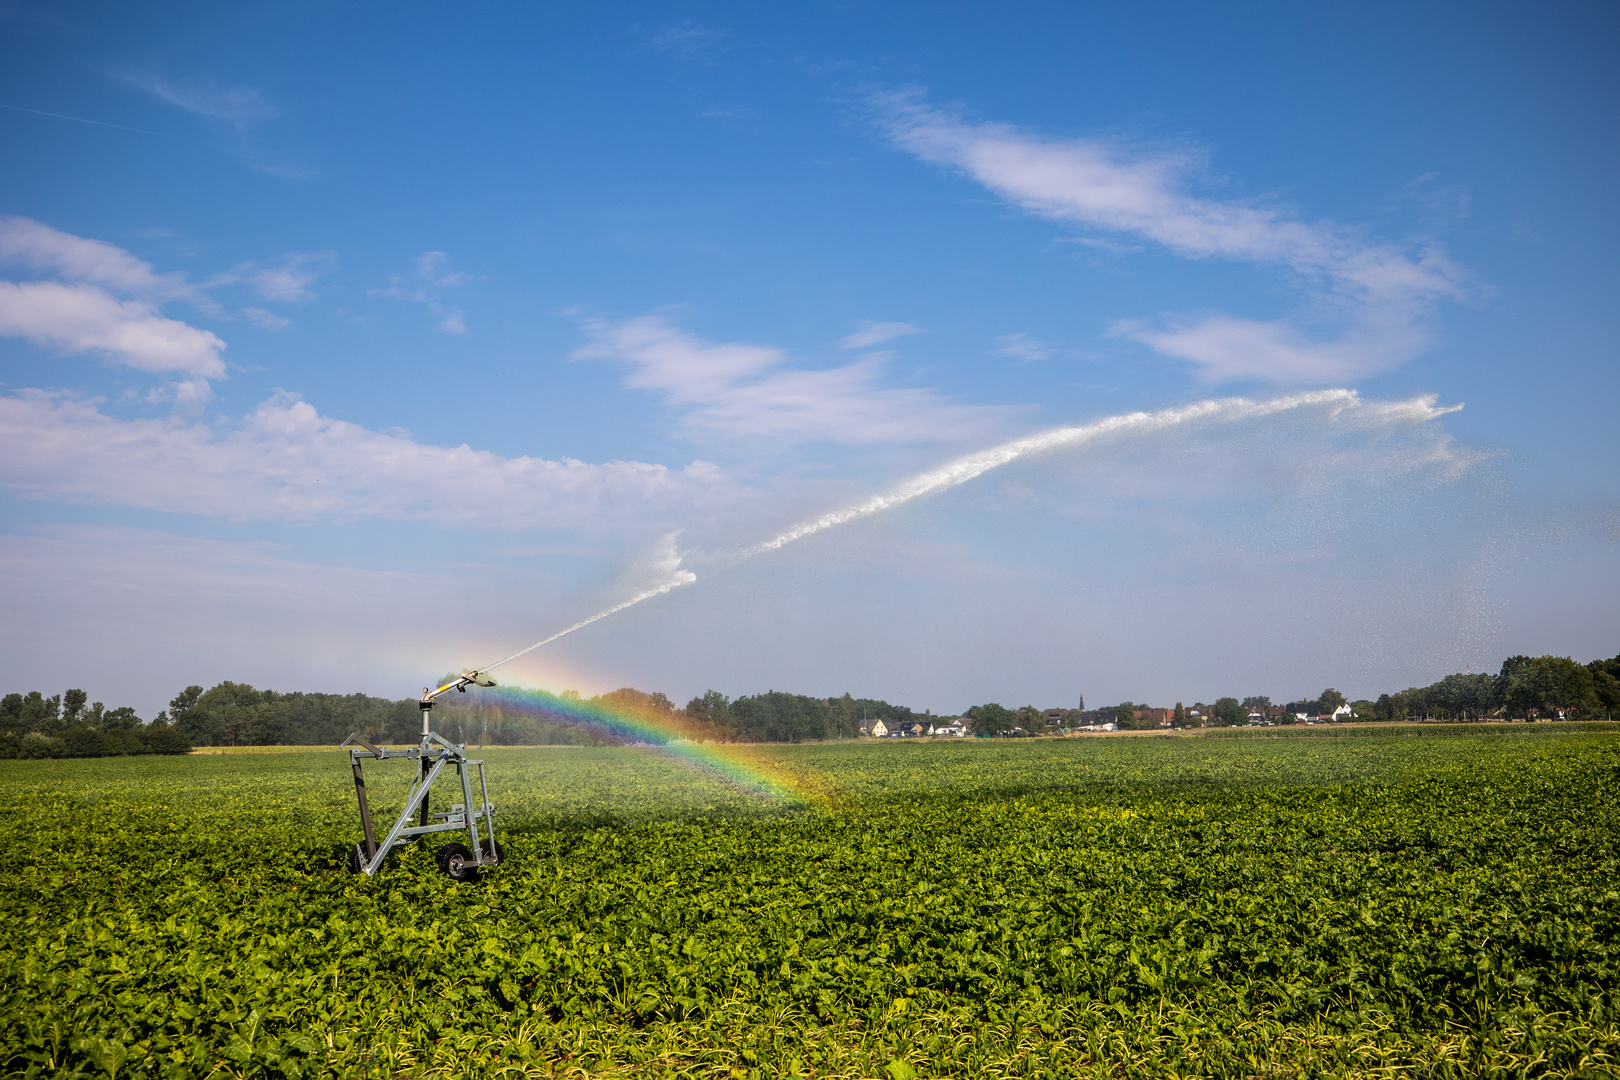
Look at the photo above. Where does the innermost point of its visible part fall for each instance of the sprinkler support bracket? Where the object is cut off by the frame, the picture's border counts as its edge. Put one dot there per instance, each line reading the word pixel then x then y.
pixel 433 753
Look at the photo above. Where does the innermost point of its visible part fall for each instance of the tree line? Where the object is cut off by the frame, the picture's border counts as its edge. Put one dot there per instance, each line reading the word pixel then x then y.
pixel 772 716
pixel 236 714
pixel 1524 688
pixel 70 725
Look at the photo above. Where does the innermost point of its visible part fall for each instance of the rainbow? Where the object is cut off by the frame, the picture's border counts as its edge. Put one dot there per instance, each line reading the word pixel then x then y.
pixel 753 767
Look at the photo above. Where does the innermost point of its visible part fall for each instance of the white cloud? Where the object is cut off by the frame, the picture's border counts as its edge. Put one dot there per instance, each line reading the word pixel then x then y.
pixel 77 315
pixel 686 40
pixel 238 108
pixel 290 278
pixel 287 462
pixel 875 333
pixel 237 104
pixel 427 286
pixel 1381 289
pixel 737 390
pixel 37 246
pixel 266 320
pixel 1227 348
pixel 286 280
pixel 83 318
pixel 1021 346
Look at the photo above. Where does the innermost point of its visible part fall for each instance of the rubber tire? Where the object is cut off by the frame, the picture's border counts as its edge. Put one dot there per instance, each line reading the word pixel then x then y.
pixel 357 858
pixel 498 852
pixel 456 860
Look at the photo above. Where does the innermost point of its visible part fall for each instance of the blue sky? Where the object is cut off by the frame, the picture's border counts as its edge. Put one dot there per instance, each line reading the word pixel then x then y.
pixel 338 351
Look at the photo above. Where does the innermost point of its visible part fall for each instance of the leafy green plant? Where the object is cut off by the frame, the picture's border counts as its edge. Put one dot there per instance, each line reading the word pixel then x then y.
pixel 1132 906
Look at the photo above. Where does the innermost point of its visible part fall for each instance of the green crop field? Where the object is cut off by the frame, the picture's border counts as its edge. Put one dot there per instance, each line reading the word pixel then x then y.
pixel 1437 906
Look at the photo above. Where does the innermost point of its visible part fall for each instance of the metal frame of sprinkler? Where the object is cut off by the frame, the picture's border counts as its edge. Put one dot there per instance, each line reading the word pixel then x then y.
pixel 434 752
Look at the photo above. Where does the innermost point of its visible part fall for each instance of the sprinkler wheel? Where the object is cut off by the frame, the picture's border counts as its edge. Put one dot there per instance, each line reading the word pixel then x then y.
pixel 457 861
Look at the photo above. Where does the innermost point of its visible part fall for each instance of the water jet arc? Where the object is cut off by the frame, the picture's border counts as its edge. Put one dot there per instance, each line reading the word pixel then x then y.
pixel 970 467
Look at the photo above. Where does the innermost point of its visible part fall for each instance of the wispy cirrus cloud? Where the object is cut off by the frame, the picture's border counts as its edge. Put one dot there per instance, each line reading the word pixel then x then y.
pixel 287 279
pixel 1381 291
pixel 685 40
pixel 239 109
pixel 1022 347
pixel 876 333
pixel 736 390
pixel 287 462
pixel 290 278
pixel 237 104
pixel 428 285
pixel 1228 348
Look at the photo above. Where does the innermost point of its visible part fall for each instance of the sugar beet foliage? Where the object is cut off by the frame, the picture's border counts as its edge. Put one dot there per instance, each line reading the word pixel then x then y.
pixel 1133 906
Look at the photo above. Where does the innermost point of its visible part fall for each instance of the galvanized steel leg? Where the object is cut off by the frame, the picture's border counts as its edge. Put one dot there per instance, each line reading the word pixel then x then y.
pixel 489 811
pixel 423 820
pixel 365 807
pixel 410 807
pixel 467 807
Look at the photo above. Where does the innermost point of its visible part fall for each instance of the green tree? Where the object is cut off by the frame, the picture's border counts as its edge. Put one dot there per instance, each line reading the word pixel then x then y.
pixel 1030 719
pixel 847 716
pixel 1179 717
pixel 710 716
pixel 1606 682
pixel 183 703
pixel 991 719
pixel 82 742
pixel 776 716
pixel 1544 685
pixel 1461 696
pixel 1229 712
pixel 222 715
pixel 72 705
pixel 122 718
pixel 1125 716
pixel 40 713
pixel 1330 701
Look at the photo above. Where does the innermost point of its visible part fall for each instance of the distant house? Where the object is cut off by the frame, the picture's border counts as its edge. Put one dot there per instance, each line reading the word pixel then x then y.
pixel 878 729
pixel 1055 716
pixel 1343 712
pixel 955 727
pixel 909 729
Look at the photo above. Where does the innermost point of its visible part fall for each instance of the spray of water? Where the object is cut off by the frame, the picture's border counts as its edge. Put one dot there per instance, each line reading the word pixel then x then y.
pixel 684 577
pixel 963 469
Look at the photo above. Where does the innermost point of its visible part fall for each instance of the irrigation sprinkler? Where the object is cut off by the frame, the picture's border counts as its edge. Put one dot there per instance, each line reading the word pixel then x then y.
pixel 460 861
